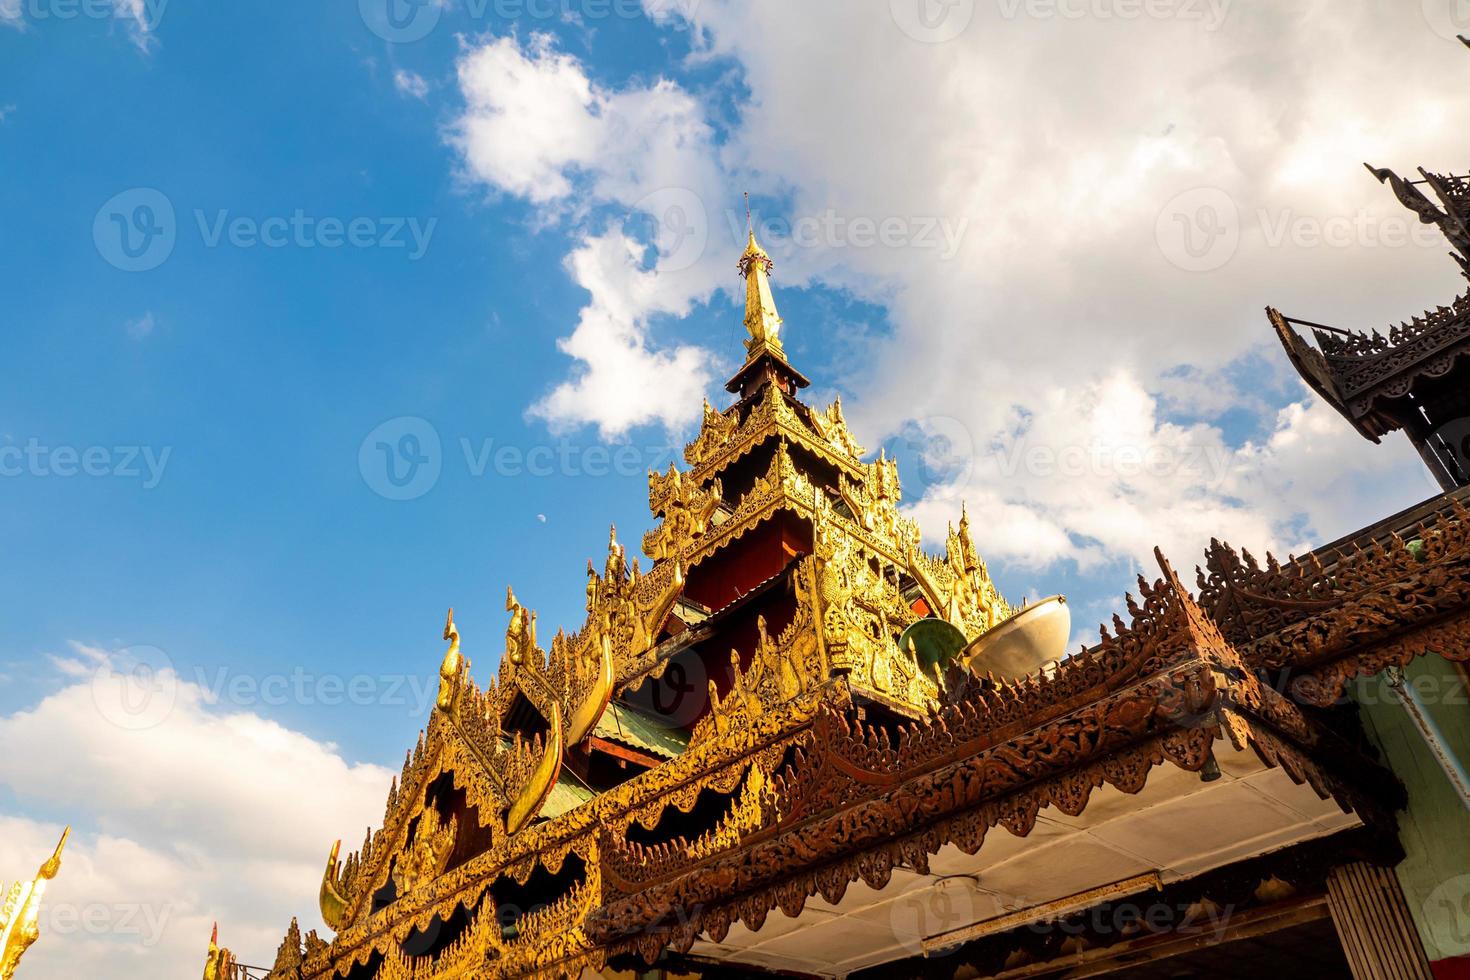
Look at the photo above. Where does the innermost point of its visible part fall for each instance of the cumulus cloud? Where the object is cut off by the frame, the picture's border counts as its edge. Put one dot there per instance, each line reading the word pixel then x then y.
pixel 536 127
pixel 179 808
pixel 1072 243
pixel 622 382
pixel 1123 221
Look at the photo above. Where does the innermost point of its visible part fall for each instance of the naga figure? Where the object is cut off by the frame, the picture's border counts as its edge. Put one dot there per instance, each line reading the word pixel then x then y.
pixel 520 635
pixel 20 917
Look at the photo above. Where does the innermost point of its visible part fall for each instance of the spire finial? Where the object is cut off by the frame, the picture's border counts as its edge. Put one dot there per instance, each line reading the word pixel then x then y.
pixel 749 225
pixel 762 321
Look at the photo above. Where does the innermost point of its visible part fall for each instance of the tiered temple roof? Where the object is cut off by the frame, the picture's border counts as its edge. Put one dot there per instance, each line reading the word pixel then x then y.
pixel 1401 381
pixel 742 730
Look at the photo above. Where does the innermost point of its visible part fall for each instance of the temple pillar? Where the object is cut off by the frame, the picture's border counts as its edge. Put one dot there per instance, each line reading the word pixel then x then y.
pixel 1373 923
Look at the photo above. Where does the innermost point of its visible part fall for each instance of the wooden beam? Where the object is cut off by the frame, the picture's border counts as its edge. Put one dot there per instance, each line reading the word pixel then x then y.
pixel 622 752
pixel 1161 946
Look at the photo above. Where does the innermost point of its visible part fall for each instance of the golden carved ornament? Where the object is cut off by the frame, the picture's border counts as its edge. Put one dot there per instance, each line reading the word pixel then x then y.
pixel 427 854
pixel 20 916
pixel 687 509
pixel 219 963
pixel 832 426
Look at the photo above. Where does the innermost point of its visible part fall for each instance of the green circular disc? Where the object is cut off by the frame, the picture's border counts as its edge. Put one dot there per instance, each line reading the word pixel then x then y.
pixel 935 642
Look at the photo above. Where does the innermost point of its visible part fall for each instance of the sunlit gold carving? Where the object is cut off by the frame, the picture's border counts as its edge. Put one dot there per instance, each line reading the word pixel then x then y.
pixel 451 671
pixel 538 785
pixel 219 963
pixel 831 425
pixel 427 854
pixel 687 509
pixel 20 917
pixel 330 898
pixel 762 322
pixel 520 635
pixel 591 707
pixel 958 587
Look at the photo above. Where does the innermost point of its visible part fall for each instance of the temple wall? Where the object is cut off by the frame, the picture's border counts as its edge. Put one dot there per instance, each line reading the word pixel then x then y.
pixel 1435 830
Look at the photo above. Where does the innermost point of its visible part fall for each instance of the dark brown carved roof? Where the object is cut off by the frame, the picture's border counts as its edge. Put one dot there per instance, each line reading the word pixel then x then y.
pixel 1363 374
pixel 1357 373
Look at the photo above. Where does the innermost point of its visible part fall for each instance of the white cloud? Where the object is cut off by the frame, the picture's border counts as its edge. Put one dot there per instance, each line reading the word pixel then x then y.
pixel 530 116
pixel 620 381
pixel 178 823
pixel 1061 311
pixel 1064 320
pixel 536 127
pixel 140 328
pixel 410 84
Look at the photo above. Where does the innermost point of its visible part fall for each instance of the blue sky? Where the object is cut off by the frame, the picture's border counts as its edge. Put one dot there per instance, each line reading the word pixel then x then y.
pixel 511 181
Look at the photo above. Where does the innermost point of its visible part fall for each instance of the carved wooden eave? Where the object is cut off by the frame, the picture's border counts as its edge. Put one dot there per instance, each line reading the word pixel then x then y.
pixel 1363 375
pixel 854 803
pixel 820 800
pixel 821 753
pixel 1326 618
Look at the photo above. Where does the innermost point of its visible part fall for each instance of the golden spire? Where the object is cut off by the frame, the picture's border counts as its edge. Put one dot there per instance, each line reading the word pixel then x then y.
pixel 762 321
pixel 21 912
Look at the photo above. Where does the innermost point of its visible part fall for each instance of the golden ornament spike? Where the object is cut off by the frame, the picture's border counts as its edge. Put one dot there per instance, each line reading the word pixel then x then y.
pixel 762 321
pixel 538 787
pixel 333 903
pixel 20 918
pixel 451 671
pixel 590 710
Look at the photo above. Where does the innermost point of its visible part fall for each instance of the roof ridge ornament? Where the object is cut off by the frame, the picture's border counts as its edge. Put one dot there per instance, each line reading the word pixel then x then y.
pixel 762 321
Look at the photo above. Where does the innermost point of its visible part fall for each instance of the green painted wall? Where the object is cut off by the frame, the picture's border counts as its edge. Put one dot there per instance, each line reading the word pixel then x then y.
pixel 1435 829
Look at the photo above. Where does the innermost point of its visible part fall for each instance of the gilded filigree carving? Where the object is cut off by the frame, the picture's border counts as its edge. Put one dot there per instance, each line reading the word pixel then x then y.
pixel 958 587
pixel 687 509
